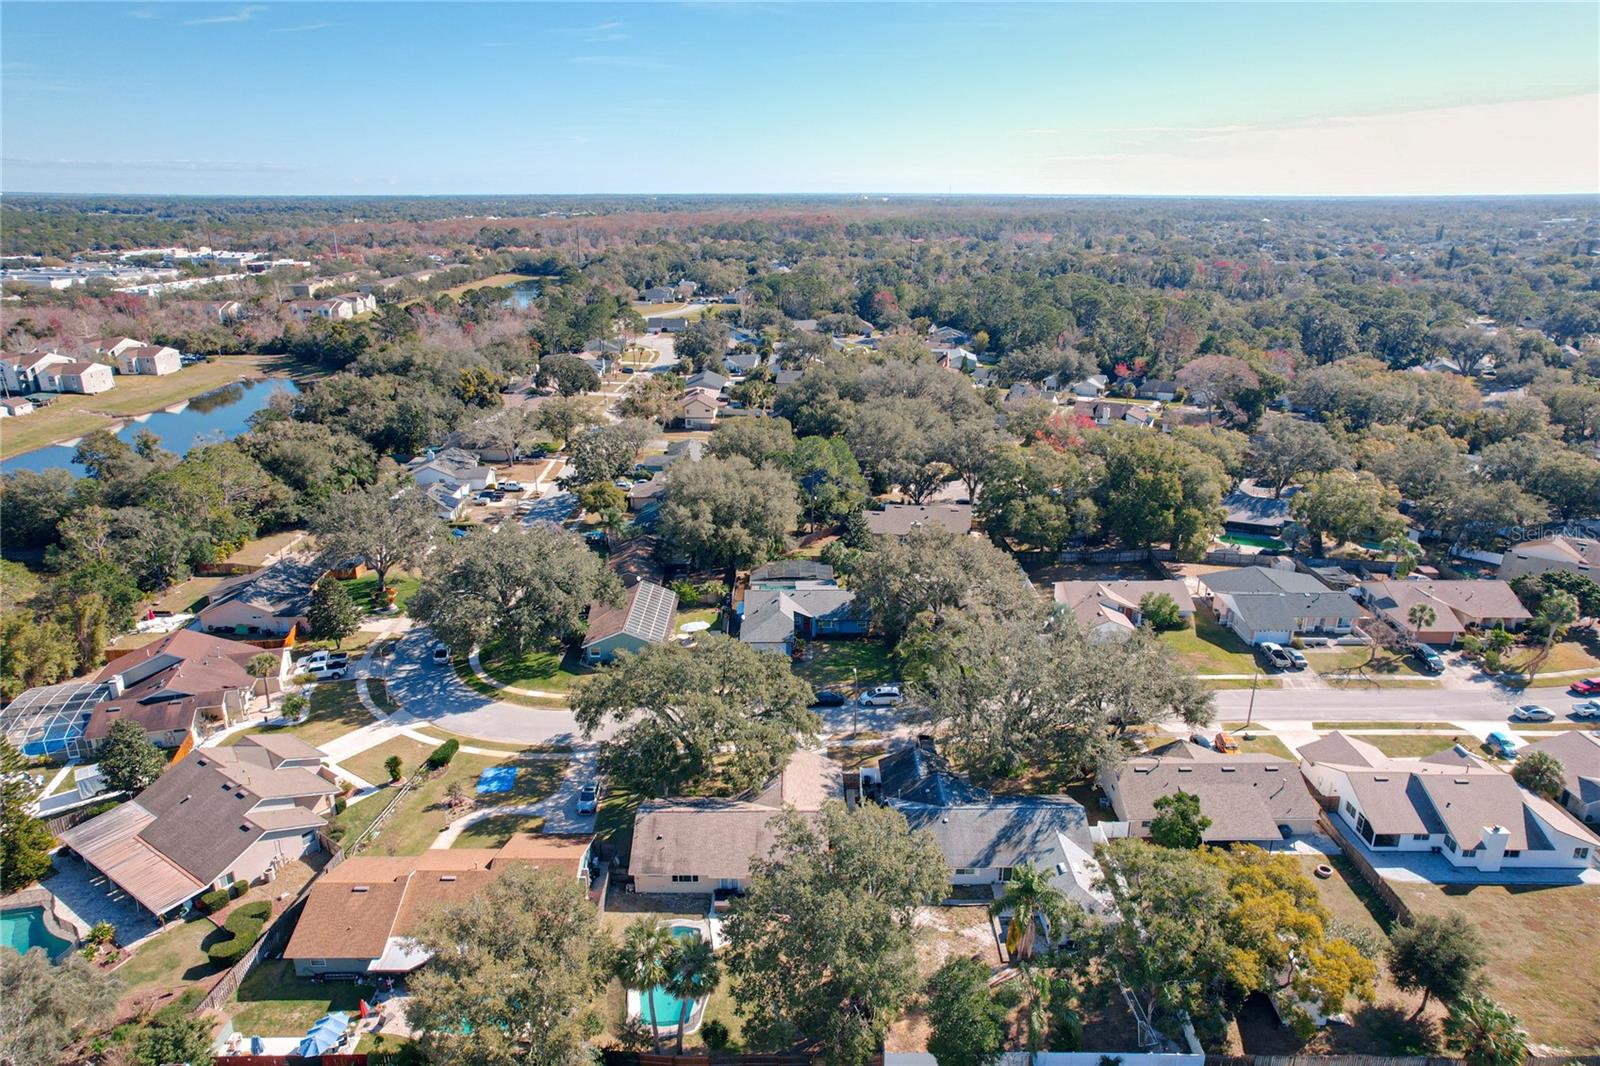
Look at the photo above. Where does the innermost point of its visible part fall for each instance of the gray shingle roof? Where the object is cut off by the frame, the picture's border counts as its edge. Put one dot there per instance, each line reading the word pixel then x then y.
pixel 646 612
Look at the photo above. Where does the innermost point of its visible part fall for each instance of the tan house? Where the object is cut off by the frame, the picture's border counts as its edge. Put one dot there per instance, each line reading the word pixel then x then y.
pixel 1577 555
pixel 698 408
pixel 219 816
pixel 150 359
pixel 1457 607
pixel 705 845
pixel 1111 609
pixel 187 684
pixel 1250 799
pixel 361 915
pixel 272 602
pixel 77 376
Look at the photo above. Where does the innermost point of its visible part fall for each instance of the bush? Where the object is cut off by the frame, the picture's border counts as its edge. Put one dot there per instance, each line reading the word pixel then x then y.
pixel 1161 611
pixel 443 754
pixel 239 888
pixel 246 925
pixel 393 764
pixel 715 1035
pixel 338 805
pixel 215 900
pixel 102 933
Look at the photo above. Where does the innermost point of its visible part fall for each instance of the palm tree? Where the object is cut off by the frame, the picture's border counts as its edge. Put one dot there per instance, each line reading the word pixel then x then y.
pixel 262 667
pixel 642 964
pixel 1485 1033
pixel 1030 897
pixel 1421 617
pixel 1406 553
pixel 692 974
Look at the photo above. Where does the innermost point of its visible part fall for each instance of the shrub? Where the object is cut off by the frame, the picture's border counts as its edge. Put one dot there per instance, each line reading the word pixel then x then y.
pixel 715 1035
pixel 245 925
pixel 443 754
pixel 338 805
pixel 260 910
pixel 102 933
pixel 239 888
pixel 392 764
pixel 1161 611
pixel 215 900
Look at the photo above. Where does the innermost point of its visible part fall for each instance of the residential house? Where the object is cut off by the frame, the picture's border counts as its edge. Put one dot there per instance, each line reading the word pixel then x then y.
pixel 1026 392
pixel 1109 412
pixel 225 311
pixel 1111 609
pixel 1157 389
pixel 707 379
pixel 1264 604
pixel 185 685
pixel 334 309
pixel 1578 752
pixel 20 371
pixel 361 916
pixel 151 359
pixel 220 815
pixel 314 286
pixel 704 846
pixel 985 837
pixel 984 377
pixel 270 603
pixel 360 302
pixel 697 409
pixel 658 294
pixel 456 468
pixel 771 618
pixel 666 324
pixel 958 359
pixel 647 615
pixel 790 573
pixel 15 407
pixel 449 502
pixel 644 493
pixel 948 337
pixel 1252 512
pixel 691 450
pixel 110 348
pixel 898 519
pixel 1575 555
pixel 1250 799
pixel 1449 804
pixel 76 376
pixel 741 363
pixel 1090 387
pixel 1456 607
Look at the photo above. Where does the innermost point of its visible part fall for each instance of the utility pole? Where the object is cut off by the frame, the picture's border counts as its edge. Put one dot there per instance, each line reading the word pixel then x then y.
pixel 1255 680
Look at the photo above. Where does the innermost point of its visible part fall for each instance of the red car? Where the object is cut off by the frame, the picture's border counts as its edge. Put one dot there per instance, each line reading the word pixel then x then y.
pixel 1589 686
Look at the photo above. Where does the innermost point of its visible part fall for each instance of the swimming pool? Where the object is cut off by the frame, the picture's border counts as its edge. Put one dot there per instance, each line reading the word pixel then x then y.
pixel 497 779
pixel 665 1008
pixel 22 928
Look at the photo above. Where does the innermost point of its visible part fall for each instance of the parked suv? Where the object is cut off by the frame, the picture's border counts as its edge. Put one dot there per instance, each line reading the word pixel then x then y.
pixel 1428 659
pixel 882 696
pixel 1275 656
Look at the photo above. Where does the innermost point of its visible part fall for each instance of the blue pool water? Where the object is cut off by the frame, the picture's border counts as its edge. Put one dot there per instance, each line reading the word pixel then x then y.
pixel 668 1009
pixel 22 928
pixel 497 779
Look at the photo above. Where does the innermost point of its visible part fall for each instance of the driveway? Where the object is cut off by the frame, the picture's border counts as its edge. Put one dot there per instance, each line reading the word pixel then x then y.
pixel 559 809
pixel 431 692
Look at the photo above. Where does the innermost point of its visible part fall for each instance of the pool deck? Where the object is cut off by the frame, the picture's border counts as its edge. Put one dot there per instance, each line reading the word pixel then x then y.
pixel 696 1012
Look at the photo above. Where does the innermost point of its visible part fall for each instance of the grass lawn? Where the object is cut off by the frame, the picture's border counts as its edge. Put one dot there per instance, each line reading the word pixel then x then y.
pixel 1348 659
pixel 272 1001
pixel 536 779
pixel 1416 745
pixel 1265 745
pixel 1218 683
pixel 505 280
pixel 699 614
pixel 335 711
pixel 464 673
pixel 1362 725
pixel 186 595
pixel 1544 951
pixel 614 823
pixel 171 958
pixel 1209 647
pixel 379 691
pixel 255 552
pixel 544 669
pixel 69 415
pixel 414 825
pixel 364 590
pixel 831 663
pixel 368 765
pixel 1569 654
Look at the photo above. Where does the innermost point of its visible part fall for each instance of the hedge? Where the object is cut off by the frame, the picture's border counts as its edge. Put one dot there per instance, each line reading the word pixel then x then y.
pixel 246 925
pixel 215 900
pixel 443 754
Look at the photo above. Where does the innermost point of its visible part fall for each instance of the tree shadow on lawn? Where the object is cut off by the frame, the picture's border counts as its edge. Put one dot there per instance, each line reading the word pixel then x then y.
pixel 494 831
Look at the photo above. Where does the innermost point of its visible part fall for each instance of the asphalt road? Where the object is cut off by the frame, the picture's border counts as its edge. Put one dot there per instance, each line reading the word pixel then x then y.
pixel 431 692
pixel 1391 704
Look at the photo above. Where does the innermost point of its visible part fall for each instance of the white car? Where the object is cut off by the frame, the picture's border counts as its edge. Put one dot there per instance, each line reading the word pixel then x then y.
pixel 589 798
pixel 882 696
pixel 1587 709
pixel 1532 712
pixel 441 654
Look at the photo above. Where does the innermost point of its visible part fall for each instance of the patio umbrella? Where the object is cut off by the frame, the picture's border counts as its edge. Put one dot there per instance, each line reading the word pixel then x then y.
pixel 326 1033
pixel 694 627
pixel 363 1009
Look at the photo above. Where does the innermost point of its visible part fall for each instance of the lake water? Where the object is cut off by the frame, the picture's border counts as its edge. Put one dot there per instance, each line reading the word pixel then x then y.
pixel 523 293
pixel 209 418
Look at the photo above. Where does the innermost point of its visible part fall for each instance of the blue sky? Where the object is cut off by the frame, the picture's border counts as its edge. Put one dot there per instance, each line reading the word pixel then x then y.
pixel 1291 99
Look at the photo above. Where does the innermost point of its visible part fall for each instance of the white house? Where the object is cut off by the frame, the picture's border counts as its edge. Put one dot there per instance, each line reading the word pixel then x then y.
pixel 76 376
pixel 15 407
pixel 21 370
pixel 455 468
pixel 151 359
pixel 1450 804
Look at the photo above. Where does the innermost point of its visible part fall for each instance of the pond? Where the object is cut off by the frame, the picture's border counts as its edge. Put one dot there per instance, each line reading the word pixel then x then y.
pixel 523 294
pixel 209 418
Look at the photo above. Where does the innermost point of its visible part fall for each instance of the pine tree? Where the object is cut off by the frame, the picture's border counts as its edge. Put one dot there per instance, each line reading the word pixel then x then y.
pixel 129 759
pixel 333 614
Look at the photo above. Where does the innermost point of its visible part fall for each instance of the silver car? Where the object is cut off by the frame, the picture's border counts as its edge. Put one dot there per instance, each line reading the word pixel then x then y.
pixel 1532 712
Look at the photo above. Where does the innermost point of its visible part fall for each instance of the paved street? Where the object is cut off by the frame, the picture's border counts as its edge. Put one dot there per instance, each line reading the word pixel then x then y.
pixel 431 692
pixel 1372 704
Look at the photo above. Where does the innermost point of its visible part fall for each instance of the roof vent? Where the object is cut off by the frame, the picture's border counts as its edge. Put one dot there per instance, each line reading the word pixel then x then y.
pixel 1461 780
pixel 1227 769
pixel 1185 769
pixel 447 877
pixel 1380 780
pixel 200 762
pixel 186 799
pixel 244 828
pixel 1270 769
pixel 358 888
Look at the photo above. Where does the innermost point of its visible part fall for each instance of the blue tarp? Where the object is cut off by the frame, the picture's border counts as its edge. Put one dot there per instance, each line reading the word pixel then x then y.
pixel 325 1034
pixel 497 779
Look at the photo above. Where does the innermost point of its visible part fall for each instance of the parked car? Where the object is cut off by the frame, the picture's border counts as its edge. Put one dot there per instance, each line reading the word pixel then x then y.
pixel 1297 660
pixel 1589 686
pixel 510 486
pixel 328 672
pixel 1202 740
pixel 1225 743
pixel 1532 712
pixel 1428 659
pixel 826 697
pixel 1501 744
pixel 882 696
pixel 484 497
pixel 1274 656
pixel 589 798
pixel 441 654
pixel 1586 710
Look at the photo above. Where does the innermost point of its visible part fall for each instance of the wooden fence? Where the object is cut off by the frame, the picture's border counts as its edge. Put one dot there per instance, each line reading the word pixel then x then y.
pixel 1330 825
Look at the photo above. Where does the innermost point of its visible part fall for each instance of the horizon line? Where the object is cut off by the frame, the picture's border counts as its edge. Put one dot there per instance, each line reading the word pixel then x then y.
pixel 1591 194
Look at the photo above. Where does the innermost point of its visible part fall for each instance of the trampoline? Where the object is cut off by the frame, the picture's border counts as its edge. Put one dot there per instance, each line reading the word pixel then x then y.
pixel 496 779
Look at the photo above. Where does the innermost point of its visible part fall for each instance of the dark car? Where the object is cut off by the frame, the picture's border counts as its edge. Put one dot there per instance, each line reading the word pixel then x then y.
pixel 828 698
pixel 1428 659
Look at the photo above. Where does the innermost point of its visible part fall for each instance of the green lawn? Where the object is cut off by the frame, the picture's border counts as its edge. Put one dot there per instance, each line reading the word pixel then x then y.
pixel 700 614
pixel 1209 647
pixel 413 827
pixel 550 670
pixel 173 957
pixel 379 691
pixel 1348 659
pixel 536 779
pixel 614 824
pixel 1328 726
pixel 464 672
pixel 1260 744
pixel 368 764
pixel 1570 654
pixel 272 1001
pixel 364 590
pixel 335 710
pixel 1416 745
pixel 832 661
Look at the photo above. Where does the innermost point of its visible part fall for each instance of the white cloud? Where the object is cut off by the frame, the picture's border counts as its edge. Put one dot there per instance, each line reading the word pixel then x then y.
pixel 243 14
pixel 307 28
